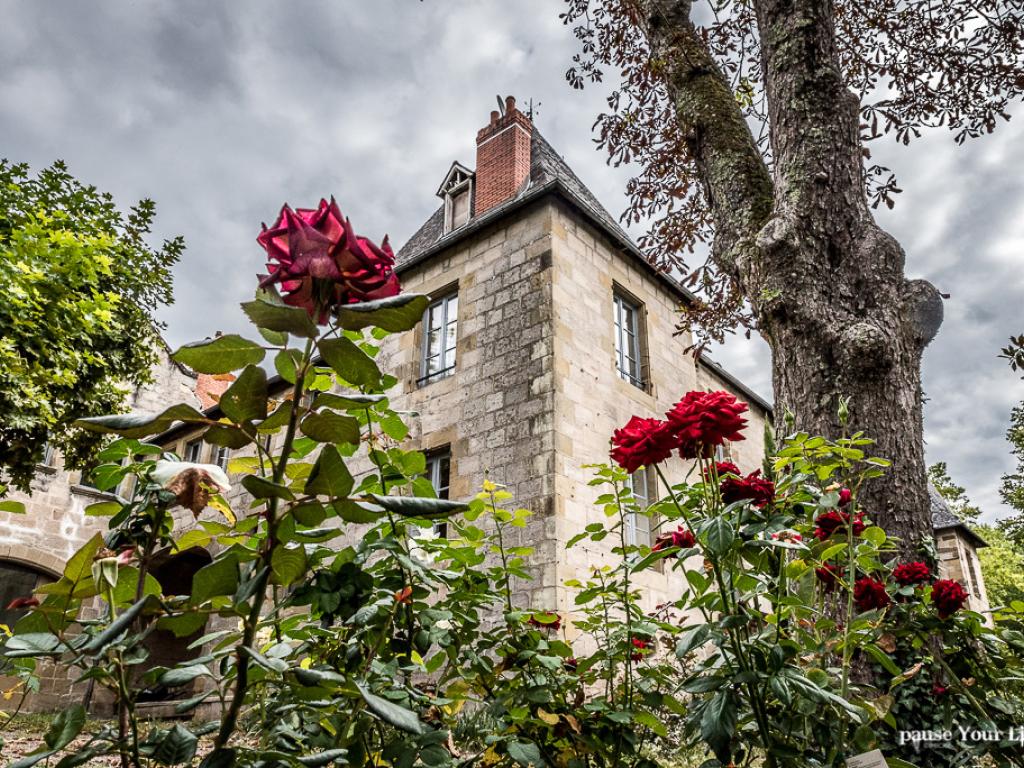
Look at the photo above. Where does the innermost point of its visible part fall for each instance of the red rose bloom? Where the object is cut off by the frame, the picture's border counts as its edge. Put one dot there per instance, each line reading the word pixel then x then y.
pixel 845 496
pixel 869 594
pixel 320 262
pixel 939 690
pixel 680 537
pixel 759 491
pixel 908 574
pixel 829 575
pixel 641 646
pixel 22 602
pixel 948 597
pixel 642 443
pixel 702 420
pixel 551 626
pixel 722 468
pixel 833 521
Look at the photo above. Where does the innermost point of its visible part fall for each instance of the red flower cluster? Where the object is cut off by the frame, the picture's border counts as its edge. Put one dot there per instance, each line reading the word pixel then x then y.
pixel 551 626
pixel 696 424
pixel 758 490
pixel 702 420
pixel 829 575
pixel 948 597
pixel 641 647
pixel 869 593
pixel 722 468
pixel 833 521
pixel 320 262
pixel 680 537
pixel 909 574
pixel 642 443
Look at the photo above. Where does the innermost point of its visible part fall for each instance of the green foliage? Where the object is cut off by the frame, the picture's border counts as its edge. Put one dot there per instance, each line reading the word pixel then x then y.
pixel 1002 566
pixel 955 495
pixel 78 288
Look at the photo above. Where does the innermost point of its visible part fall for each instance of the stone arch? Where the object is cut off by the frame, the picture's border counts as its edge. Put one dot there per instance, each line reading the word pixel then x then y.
pixel 23 554
pixel 20 577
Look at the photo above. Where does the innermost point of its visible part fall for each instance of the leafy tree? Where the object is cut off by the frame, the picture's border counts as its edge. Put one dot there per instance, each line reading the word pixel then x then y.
pixel 955 495
pixel 78 287
pixel 750 122
pixel 1002 566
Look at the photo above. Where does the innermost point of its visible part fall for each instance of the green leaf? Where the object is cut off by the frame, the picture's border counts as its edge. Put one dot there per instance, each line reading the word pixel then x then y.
pixel 142 424
pixel 720 536
pixel 65 727
pixel 33 644
pixel 116 628
pixel 262 488
pixel 80 564
pixel 227 436
pixel 276 338
pixel 13 507
pixel 882 658
pixel 357 511
pixel 183 624
pixel 100 509
pixel 525 753
pixel 347 402
pixel 267 311
pixel 350 362
pixel 718 724
pixel 220 355
pixel 330 476
pixel 414 506
pixel 272 664
pixel 288 564
pixel 246 399
pixel 398 716
pixel 183 675
pixel 331 427
pixel 29 760
pixel 395 314
pixel 176 747
pixel 128 584
pixel 691 638
pixel 218 578
pixel 874 534
pixel 222 758
pixel 324 758
pixel 286 364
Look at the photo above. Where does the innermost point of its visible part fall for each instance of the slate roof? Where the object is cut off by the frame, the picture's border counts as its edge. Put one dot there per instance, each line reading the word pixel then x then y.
pixel 548 173
pixel 944 518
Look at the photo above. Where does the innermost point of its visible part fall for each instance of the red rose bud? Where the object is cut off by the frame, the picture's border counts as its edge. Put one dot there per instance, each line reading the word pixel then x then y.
pixel 22 602
pixel 571 664
pixel 869 594
pixel 702 420
pixel 552 626
pixel 759 491
pixel 948 597
pixel 319 261
pixel 908 574
pixel 939 690
pixel 680 537
pixel 833 521
pixel 642 443
pixel 845 496
pixel 722 468
pixel 641 647
pixel 829 575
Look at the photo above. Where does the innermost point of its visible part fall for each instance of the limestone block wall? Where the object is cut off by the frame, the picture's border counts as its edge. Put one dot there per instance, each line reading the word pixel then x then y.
pixel 592 400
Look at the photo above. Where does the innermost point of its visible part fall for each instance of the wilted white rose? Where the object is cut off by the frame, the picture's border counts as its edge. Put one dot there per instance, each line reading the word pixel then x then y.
pixel 191 483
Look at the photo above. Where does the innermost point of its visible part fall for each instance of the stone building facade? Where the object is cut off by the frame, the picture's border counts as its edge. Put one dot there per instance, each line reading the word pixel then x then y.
pixel 547 331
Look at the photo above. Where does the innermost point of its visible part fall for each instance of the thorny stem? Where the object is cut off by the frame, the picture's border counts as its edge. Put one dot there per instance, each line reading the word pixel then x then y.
pixel 227 726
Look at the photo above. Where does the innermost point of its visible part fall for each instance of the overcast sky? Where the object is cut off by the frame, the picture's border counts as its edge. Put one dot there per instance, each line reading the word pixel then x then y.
pixel 222 111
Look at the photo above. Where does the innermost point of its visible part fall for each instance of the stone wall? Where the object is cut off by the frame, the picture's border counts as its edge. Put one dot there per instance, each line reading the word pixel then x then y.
pixel 55 526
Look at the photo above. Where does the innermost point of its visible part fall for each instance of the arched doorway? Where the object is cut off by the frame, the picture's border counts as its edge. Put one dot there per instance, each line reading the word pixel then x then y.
pixel 17 580
pixel 175 572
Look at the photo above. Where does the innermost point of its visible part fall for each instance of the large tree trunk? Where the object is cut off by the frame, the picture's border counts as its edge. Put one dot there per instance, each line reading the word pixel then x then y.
pixel 825 282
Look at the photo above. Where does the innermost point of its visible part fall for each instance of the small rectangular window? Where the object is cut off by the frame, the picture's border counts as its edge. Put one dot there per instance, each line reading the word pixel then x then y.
pixel 193 451
pixel 221 457
pixel 643 486
pixel 460 208
pixel 628 342
pixel 48 454
pixel 440 336
pixel 439 470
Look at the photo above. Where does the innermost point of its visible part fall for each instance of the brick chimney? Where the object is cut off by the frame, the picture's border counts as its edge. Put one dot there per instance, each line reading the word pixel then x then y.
pixel 502 157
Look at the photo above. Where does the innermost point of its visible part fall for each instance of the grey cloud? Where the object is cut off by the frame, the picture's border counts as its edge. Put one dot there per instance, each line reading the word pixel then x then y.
pixel 223 111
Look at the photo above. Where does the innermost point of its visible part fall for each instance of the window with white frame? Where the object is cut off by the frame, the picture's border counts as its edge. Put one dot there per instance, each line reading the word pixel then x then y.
pixel 193 450
pixel 643 485
pixel 438 471
pixel 628 341
pixel 221 456
pixel 440 335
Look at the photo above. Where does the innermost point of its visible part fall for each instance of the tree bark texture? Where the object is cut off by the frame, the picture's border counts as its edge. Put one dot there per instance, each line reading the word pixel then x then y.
pixel 825 282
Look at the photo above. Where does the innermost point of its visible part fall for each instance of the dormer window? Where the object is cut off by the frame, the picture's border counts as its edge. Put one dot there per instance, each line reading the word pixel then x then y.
pixel 457 192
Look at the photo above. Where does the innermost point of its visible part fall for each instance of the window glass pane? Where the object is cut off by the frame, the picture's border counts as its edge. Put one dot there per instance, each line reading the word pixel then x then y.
pixel 441 339
pixel 439 472
pixel 193 450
